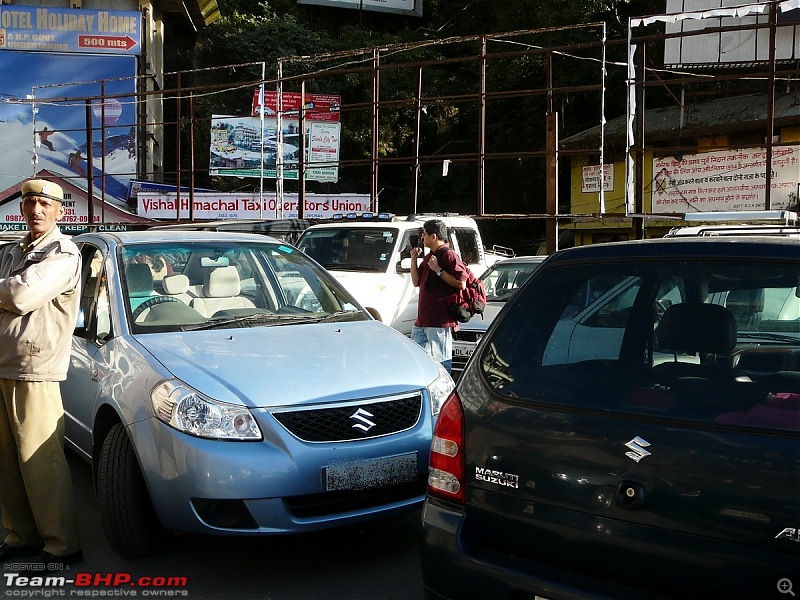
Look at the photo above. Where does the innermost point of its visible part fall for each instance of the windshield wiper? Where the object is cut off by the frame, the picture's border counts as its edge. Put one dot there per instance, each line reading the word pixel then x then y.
pixel 770 337
pixel 247 321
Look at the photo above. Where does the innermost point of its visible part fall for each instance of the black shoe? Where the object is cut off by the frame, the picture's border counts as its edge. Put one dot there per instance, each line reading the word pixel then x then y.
pixel 47 562
pixel 13 552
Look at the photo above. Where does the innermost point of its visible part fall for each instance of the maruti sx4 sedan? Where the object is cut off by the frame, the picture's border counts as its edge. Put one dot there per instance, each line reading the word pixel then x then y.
pixel 225 383
pixel 629 427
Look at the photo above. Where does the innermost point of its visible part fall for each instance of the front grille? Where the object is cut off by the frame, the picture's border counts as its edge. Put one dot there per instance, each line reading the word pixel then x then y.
pixel 355 421
pixel 468 336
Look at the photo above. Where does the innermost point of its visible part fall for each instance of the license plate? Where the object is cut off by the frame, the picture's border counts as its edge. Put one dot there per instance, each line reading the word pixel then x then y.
pixel 371 473
pixel 465 350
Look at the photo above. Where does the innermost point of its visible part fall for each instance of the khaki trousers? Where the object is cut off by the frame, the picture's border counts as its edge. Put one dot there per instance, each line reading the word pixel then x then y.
pixel 35 481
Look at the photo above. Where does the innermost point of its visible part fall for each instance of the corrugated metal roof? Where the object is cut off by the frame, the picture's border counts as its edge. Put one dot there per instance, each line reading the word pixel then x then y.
pixel 720 116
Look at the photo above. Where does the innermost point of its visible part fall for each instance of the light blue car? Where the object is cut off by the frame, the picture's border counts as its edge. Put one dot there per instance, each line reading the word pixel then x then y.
pixel 225 383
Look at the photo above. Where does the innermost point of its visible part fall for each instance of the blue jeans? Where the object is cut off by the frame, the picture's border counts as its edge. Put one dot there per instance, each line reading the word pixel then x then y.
pixel 437 341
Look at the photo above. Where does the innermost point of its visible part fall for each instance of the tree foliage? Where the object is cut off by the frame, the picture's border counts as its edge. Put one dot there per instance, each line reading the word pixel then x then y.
pixel 255 32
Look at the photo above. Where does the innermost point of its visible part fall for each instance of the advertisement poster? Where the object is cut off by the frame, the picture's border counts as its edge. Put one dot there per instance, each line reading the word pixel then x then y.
pixel 319 107
pixel 237 144
pixel 231 205
pixel 41 134
pixel 726 180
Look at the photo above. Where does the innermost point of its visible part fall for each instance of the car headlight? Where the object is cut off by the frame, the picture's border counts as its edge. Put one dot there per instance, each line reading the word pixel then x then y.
pixel 189 411
pixel 440 389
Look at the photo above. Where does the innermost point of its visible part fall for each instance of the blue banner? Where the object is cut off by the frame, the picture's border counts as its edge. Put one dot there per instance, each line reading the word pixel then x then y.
pixel 47 29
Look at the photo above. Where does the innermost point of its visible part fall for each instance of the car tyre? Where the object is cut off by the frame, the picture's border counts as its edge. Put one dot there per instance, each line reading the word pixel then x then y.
pixel 129 519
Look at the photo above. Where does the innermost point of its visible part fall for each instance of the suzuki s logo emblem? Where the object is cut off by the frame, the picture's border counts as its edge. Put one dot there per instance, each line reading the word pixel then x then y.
pixel 362 417
pixel 637 446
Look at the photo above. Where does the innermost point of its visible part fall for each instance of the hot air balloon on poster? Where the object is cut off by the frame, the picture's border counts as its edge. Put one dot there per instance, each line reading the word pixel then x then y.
pixel 108 111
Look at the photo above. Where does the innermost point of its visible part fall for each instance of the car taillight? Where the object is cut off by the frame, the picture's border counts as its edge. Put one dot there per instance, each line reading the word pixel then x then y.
pixel 446 475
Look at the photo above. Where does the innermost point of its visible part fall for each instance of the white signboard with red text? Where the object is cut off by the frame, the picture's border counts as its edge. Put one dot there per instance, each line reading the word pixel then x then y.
pixel 728 180
pixel 222 205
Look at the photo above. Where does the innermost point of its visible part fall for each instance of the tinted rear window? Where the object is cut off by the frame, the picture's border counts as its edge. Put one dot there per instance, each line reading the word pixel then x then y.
pixel 714 342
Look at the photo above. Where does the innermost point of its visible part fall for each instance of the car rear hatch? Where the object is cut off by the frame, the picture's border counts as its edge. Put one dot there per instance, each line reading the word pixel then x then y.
pixel 635 502
pixel 599 468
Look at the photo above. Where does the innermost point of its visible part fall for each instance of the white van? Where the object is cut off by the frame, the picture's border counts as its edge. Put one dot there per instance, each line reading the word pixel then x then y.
pixel 371 255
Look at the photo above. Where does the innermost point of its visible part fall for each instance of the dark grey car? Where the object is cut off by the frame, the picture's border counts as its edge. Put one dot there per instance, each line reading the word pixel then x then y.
pixel 628 428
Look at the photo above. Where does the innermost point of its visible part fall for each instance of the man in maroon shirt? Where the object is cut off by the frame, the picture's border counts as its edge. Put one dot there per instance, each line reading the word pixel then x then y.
pixel 438 277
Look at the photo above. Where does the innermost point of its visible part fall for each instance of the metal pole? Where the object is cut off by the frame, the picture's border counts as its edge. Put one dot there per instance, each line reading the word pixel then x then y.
pixel 178 152
pixel 102 152
pixel 262 102
pixel 279 146
pixel 551 166
pixel 376 90
pixel 191 154
pixel 89 166
pixel 639 129
pixel 301 155
pixel 415 183
pixel 482 130
pixel 773 22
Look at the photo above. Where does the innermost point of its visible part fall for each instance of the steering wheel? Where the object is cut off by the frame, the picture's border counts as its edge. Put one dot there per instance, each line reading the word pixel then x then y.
pixel 152 302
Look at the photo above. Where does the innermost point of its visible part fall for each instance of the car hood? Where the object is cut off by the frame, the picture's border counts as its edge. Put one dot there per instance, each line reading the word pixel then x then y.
pixel 476 323
pixel 294 364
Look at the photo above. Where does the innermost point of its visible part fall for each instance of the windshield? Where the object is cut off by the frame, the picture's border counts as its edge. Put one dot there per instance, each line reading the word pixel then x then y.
pixel 351 248
pixel 172 286
pixel 504 278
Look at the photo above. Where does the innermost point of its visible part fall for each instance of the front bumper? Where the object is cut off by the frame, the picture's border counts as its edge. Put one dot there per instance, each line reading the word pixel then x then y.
pixel 277 485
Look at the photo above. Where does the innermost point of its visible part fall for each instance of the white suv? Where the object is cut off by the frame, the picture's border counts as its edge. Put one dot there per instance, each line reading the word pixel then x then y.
pixel 371 256
pixel 781 223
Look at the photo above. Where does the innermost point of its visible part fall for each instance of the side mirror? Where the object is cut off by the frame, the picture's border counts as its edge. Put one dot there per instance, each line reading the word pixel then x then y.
pixel 404 266
pixel 80 324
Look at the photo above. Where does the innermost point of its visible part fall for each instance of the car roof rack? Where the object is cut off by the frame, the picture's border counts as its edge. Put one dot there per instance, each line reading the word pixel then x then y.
pixel 749 217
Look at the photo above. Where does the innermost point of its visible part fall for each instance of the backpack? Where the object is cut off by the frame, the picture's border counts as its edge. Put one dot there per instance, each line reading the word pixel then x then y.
pixel 470 301
pixel 466 303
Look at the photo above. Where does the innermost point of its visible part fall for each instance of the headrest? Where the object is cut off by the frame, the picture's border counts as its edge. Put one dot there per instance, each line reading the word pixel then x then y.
pixel 140 280
pixel 708 328
pixel 222 282
pixel 745 302
pixel 175 284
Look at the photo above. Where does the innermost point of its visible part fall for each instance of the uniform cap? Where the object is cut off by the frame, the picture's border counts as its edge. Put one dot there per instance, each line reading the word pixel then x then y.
pixel 43 188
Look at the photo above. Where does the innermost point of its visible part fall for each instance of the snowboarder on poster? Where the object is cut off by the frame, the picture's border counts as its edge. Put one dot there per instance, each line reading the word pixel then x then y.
pixel 74 160
pixel 43 135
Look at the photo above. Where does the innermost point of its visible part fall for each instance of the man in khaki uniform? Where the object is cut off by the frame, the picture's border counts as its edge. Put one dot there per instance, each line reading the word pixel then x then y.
pixel 38 309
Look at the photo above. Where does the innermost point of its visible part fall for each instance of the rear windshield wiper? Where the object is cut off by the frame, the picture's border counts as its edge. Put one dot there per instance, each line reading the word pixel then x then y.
pixel 770 337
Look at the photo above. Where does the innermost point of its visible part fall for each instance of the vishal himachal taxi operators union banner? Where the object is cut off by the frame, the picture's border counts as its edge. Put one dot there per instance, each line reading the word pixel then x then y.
pixel 48 29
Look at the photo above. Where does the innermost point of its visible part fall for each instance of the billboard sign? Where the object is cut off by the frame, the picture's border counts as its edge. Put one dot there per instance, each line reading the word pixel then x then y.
pixel 50 29
pixel 319 107
pixel 233 205
pixel 729 180
pixel 39 133
pixel 729 47
pixel 409 8
pixel 238 145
